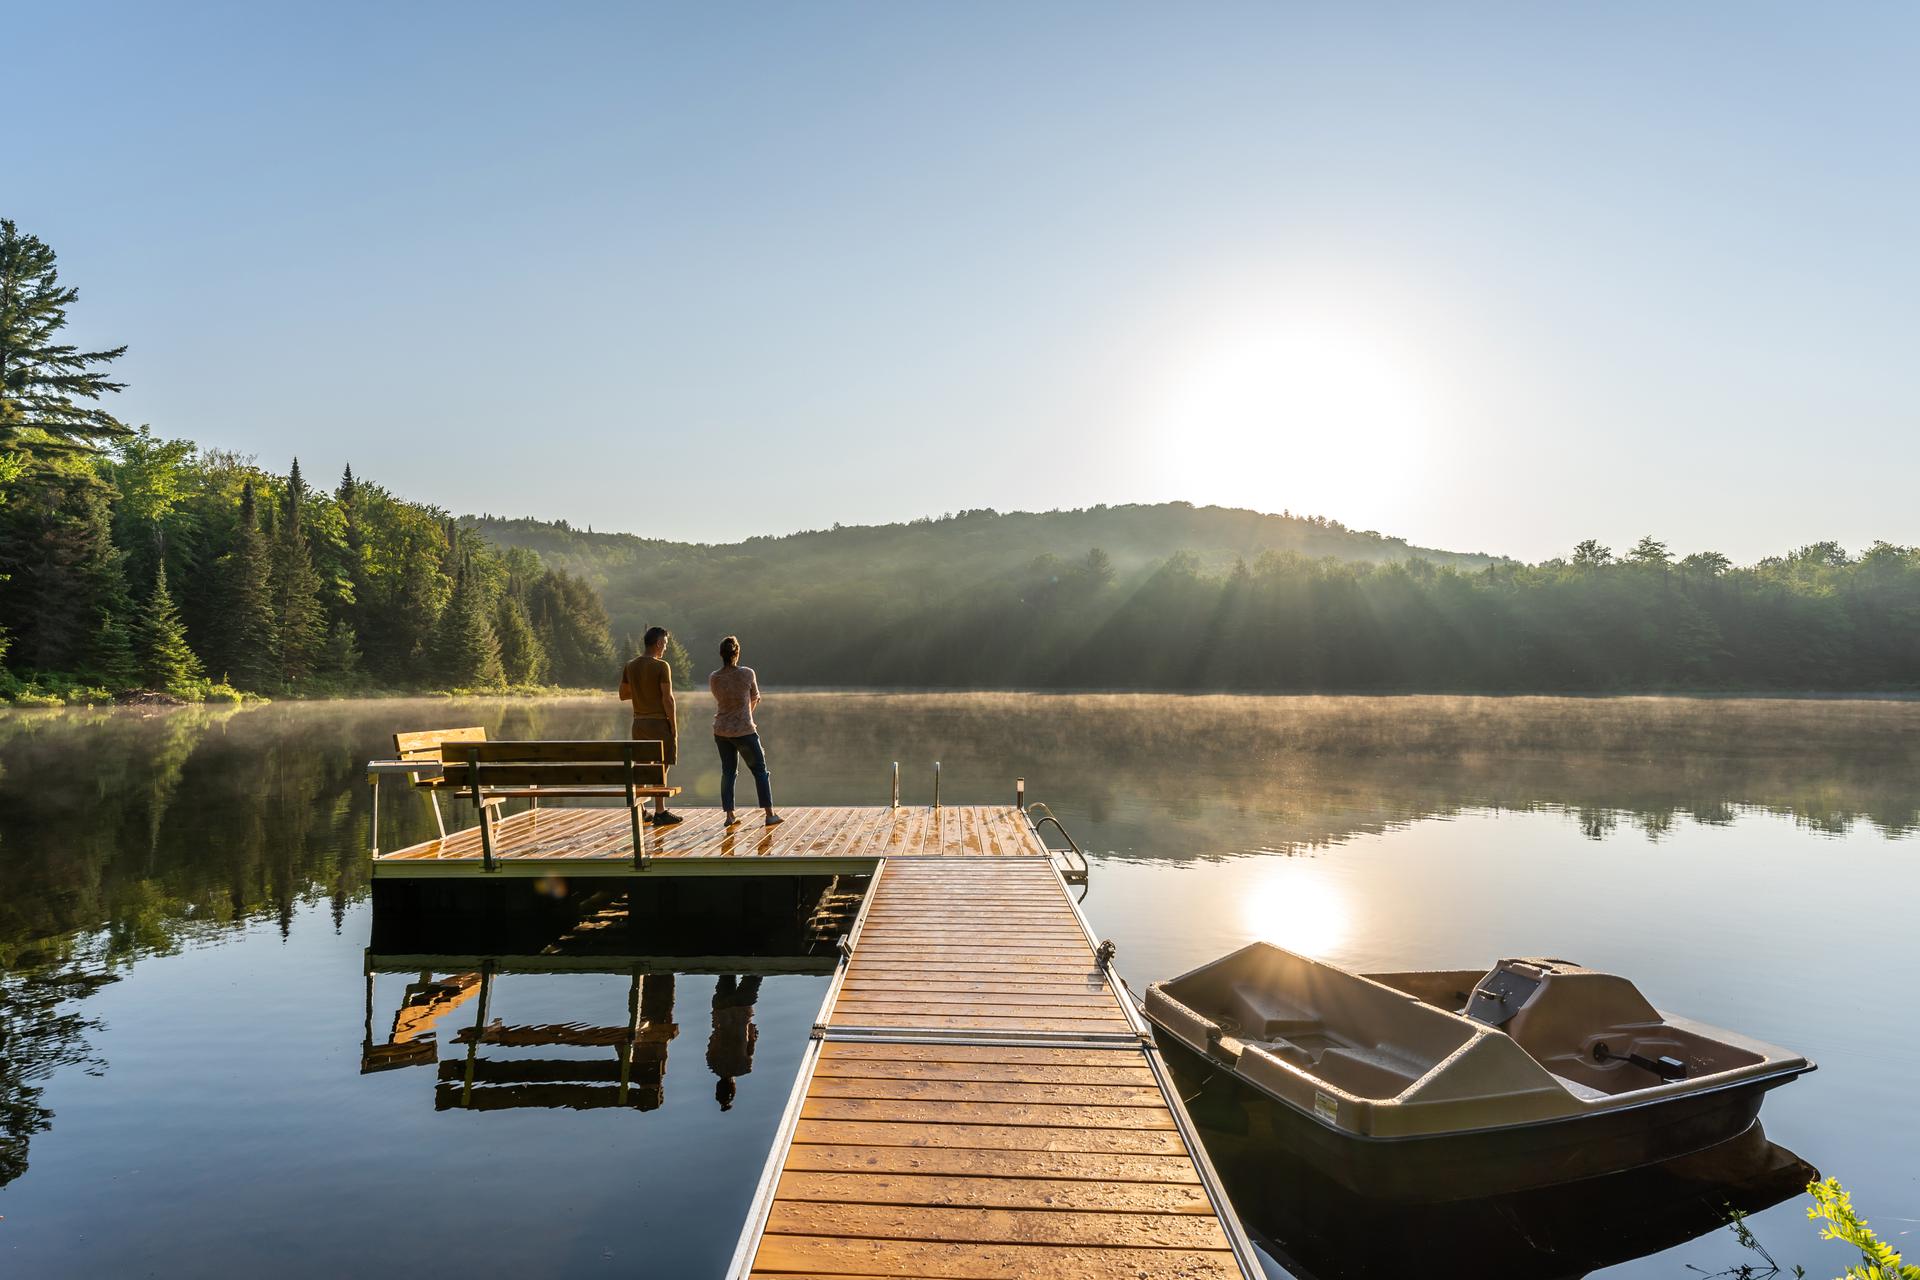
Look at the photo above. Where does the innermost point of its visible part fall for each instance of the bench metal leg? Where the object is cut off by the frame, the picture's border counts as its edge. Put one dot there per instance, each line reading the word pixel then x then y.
pixel 438 821
pixel 486 839
pixel 373 832
pixel 633 816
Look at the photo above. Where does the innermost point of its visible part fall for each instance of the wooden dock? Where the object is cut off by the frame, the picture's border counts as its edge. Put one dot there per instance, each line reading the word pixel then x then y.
pixel 977 1099
pixel 820 841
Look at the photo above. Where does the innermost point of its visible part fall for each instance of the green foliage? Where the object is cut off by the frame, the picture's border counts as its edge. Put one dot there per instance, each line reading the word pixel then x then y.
pixel 465 651
pixel 359 583
pixel 679 660
pixel 166 661
pixel 245 630
pixel 1878 1259
pixel 300 622
pixel 43 381
pixel 572 626
pixel 342 658
pixel 522 656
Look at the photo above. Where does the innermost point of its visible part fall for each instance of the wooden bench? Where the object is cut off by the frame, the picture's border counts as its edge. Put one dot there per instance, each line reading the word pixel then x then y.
pixel 463 763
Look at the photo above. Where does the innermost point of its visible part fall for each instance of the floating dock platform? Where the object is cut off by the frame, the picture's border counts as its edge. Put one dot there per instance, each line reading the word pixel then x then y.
pixel 979 1097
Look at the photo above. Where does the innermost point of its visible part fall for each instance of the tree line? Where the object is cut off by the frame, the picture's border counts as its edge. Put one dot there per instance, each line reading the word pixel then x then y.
pixel 128 561
pixel 1814 619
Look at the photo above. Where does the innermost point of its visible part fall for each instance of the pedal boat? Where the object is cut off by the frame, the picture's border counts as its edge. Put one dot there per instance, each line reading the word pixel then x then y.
pixel 1458 1084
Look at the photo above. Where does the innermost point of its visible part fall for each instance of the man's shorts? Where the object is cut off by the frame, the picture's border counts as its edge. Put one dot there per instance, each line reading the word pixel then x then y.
pixel 658 729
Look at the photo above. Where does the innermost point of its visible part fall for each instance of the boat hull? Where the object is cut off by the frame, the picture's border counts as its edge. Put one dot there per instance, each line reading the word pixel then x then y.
pixel 1468 1165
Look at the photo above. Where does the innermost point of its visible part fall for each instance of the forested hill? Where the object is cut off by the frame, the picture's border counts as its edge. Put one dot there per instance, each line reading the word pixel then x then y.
pixel 1179 597
pixel 986 543
pixel 642 578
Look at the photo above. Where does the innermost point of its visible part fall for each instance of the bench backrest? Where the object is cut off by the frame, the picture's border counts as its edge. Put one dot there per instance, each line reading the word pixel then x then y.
pixel 425 743
pixel 594 763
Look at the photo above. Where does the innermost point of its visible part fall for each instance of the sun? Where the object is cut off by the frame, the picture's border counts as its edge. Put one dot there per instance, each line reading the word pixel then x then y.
pixel 1316 410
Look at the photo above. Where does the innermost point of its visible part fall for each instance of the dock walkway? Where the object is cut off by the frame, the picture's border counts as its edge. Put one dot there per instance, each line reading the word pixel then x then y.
pixel 979 1101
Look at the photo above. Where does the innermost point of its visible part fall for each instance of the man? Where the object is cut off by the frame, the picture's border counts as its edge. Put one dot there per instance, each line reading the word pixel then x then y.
pixel 647 682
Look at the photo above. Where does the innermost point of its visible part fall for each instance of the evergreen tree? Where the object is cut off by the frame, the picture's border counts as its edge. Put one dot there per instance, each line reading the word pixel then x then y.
pixel 680 661
pixel 522 655
pixel 342 656
pixel 465 653
pixel 166 661
pixel 572 623
pixel 61 586
pixel 110 656
pixel 43 381
pixel 246 644
pixel 414 616
pixel 299 617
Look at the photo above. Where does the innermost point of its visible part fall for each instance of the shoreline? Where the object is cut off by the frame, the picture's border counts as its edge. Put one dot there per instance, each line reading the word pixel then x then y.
pixel 152 705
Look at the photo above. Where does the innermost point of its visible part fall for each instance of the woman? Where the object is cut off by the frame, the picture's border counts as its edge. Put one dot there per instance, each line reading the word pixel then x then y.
pixel 735 694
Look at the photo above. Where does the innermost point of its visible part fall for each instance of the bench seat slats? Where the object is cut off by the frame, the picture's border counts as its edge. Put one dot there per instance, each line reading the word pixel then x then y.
pixel 487 772
pixel 457 773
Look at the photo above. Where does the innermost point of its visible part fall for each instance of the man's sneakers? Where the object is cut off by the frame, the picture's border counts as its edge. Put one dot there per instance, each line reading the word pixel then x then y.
pixel 666 819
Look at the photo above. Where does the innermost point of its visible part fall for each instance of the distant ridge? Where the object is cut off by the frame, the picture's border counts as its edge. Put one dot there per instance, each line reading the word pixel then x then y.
pixel 640 577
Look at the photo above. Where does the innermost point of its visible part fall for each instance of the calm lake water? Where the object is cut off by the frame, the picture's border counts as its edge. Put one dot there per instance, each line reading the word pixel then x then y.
pixel 185 929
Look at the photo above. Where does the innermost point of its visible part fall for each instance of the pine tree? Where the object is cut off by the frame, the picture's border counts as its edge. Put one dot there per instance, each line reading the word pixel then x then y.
pixel 522 655
pixel 110 656
pixel 299 617
pixel 246 641
pixel 414 615
pixel 342 656
pixel 572 623
pixel 680 661
pixel 166 661
pixel 62 589
pixel 42 381
pixel 465 652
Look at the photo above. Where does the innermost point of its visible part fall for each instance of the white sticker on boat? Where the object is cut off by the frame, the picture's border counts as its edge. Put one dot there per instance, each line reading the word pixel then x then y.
pixel 1326 1107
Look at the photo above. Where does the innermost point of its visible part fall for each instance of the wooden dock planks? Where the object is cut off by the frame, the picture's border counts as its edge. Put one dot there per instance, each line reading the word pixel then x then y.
pixel 983 945
pixel 598 840
pixel 980 1105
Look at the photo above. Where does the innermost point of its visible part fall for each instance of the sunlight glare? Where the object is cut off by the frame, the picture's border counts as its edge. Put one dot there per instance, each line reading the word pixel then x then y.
pixel 1301 912
pixel 1315 411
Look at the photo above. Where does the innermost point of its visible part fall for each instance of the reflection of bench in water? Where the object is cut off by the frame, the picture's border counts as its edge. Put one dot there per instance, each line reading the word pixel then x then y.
pixel 633 1076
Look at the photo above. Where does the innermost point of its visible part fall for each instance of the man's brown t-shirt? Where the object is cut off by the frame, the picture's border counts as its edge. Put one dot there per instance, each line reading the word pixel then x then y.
pixel 649 679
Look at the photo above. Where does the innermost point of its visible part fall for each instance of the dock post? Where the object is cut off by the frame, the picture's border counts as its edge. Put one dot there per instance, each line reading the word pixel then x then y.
pixel 1020 794
pixel 936 784
pixel 896 786
pixel 373 835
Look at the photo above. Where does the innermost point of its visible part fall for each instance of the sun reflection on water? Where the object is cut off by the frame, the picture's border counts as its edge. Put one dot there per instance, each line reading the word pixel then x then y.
pixel 1297 907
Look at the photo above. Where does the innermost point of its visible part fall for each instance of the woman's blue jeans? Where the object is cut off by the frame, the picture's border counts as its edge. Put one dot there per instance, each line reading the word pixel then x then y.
pixel 731 749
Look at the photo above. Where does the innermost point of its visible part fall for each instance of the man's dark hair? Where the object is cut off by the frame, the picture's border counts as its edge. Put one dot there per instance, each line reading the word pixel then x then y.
pixel 654 636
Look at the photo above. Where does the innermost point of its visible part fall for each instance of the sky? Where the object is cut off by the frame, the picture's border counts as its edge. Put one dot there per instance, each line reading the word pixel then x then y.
pixel 1488 277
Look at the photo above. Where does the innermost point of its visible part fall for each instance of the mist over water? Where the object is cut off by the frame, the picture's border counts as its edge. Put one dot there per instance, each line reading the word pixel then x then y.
pixel 184 918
